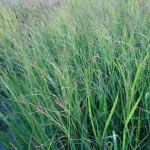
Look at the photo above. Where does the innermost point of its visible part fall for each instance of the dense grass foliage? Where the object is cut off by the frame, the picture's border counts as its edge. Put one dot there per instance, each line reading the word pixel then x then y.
pixel 76 76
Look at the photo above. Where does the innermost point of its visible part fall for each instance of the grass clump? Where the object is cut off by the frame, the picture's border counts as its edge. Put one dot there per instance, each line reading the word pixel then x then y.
pixel 76 76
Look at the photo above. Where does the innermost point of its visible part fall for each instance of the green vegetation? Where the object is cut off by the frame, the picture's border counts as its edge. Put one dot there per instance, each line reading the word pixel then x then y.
pixel 76 76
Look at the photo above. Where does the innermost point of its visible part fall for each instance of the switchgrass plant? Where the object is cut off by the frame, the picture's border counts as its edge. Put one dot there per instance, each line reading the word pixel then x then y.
pixel 76 76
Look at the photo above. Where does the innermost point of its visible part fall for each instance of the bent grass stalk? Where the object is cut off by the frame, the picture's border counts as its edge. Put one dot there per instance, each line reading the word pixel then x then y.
pixel 109 117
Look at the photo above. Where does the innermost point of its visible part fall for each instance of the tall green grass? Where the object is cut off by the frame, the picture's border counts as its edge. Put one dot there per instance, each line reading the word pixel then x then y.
pixel 76 76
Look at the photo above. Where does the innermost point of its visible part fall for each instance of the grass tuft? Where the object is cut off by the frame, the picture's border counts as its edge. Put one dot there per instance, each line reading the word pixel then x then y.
pixel 74 74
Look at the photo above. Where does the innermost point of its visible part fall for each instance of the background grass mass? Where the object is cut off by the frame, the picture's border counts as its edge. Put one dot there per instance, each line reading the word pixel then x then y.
pixel 76 76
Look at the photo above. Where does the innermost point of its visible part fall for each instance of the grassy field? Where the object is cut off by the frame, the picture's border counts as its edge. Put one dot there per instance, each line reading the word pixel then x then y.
pixel 76 75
